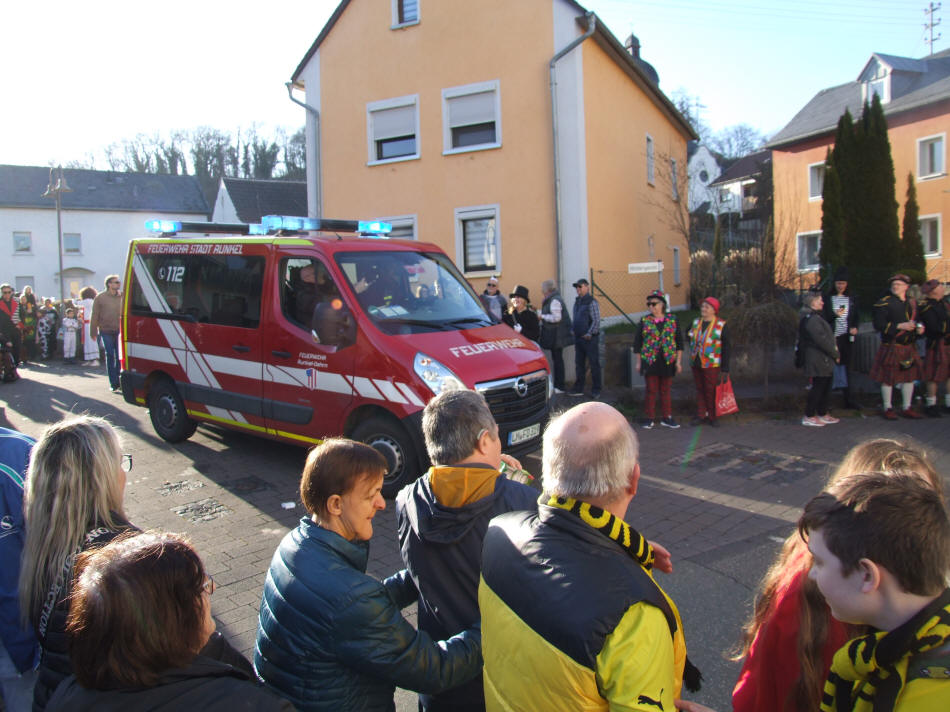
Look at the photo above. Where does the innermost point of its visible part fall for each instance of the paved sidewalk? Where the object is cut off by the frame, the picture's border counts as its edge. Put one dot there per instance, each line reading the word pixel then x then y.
pixel 721 499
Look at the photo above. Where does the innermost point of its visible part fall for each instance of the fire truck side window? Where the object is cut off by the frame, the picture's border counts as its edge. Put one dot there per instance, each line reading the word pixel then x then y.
pixel 211 289
pixel 306 283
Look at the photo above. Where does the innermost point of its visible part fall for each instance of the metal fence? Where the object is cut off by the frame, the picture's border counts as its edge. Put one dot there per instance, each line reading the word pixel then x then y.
pixel 622 296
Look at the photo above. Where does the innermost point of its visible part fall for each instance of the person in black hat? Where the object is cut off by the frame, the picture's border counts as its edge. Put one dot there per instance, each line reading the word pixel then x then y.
pixel 841 311
pixel 520 316
pixel 897 361
pixel 935 316
pixel 586 325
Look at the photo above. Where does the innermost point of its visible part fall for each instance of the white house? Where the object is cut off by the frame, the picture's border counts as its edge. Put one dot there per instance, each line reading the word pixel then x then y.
pixel 100 214
pixel 247 200
pixel 702 168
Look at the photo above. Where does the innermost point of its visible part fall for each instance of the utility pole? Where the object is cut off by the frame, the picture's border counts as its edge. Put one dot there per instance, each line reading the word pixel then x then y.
pixel 931 24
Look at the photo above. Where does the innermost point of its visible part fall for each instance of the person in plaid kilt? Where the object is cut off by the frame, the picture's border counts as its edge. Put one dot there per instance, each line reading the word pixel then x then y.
pixel 897 361
pixel 935 316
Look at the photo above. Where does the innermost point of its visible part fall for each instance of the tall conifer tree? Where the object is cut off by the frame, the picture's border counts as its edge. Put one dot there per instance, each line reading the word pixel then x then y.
pixel 831 255
pixel 912 248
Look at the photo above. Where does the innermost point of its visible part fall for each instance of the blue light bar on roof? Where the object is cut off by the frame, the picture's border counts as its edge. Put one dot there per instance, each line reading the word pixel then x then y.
pixel 273 223
pixel 256 229
pixel 375 226
pixel 163 226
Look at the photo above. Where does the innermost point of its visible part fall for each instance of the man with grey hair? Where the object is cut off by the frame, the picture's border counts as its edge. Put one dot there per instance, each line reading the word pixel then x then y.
pixel 571 615
pixel 442 518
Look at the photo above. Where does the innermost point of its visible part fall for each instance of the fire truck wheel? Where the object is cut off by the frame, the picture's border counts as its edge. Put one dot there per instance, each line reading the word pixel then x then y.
pixel 167 411
pixel 393 443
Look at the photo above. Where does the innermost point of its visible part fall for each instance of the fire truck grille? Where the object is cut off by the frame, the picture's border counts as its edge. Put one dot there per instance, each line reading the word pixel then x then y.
pixel 509 407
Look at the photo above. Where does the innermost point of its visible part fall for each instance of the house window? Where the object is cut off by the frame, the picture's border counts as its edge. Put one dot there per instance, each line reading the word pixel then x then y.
pixel 405 12
pixel 72 243
pixel 478 239
pixel 808 245
pixel 392 129
pixel 674 176
pixel 471 117
pixel 22 242
pixel 21 282
pixel 930 234
pixel 676 266
pixel 930 156
pixel 650 158
pixel 404 227
pixel 816 180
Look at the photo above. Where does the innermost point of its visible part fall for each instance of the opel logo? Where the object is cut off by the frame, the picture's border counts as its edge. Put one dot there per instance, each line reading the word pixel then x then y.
pixel 521 387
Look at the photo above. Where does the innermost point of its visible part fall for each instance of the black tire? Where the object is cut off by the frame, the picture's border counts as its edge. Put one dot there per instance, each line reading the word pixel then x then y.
pixel 167 412
pixel 392 441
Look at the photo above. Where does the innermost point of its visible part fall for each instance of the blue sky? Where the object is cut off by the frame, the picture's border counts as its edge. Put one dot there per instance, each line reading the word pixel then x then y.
pixel 79 76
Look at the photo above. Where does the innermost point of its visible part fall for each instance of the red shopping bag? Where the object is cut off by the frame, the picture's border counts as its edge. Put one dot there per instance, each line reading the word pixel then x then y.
pixel 725 399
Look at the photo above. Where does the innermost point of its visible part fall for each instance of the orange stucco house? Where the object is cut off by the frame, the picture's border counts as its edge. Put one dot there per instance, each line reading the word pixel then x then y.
pixel 437 116
pixel 915 94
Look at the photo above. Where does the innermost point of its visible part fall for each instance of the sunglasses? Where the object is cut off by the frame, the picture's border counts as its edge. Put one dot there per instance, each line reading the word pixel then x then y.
pixel 126 463
pixel 208 585
pixel 653 304
pixel 492 284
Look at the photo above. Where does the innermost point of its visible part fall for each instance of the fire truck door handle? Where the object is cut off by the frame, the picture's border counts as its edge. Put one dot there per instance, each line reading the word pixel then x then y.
pixel 242 349
pixel 281 354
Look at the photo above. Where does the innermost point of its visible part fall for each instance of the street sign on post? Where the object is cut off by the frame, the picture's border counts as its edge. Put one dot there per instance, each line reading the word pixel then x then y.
pixel 645 267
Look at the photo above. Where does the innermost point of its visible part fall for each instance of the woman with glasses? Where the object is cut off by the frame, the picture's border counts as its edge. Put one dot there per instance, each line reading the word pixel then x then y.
pixel 72 502
pixel 170 658
pixel 493 300
pixel 659 348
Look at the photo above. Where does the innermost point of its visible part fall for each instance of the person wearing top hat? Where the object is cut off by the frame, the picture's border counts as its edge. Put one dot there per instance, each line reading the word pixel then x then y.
pixel 586 326
pixel 710 348
pixel 658 345
pixel 935 316
pixel 841 311
pixel 520 316
pixel 897 362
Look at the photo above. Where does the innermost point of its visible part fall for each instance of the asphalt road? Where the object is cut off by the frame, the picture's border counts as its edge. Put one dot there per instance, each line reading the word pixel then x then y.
pixel 720 499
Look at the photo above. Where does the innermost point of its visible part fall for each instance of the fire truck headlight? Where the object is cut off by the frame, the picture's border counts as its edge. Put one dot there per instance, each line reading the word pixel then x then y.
pixel 436 376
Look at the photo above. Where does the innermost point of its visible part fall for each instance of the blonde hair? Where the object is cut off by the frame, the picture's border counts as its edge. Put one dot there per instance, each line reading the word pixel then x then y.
pixel 884 455
pixel 73 485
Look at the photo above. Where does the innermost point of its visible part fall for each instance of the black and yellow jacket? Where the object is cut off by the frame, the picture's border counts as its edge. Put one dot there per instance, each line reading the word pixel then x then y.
pixel 570 620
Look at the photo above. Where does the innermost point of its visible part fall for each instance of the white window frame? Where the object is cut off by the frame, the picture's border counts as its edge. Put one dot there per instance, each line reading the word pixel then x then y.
pixel 938 219
pixel 29 236
pixel 812 197
pixel 394 103
pixel 477 212
pixel 78 250
pixel 408 23
pixel 674 175
pixel 798 251
pixel 651 160
pixel 677 276
pixel 402 221
pixel 493 86
pixel 942 172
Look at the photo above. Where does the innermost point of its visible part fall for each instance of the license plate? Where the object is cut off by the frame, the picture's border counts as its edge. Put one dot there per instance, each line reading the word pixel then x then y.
pixel 522 434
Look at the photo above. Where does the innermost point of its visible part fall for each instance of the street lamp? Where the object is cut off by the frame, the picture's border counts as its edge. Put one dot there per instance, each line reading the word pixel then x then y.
pixel 55 191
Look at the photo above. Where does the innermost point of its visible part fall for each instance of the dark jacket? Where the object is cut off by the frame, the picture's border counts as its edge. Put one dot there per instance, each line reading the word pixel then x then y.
pixel 935 316
pixel 820 348
pixel 586 316
pixel 888 312
pixel 55 665
pixel 442 549
pixel 207 684
pixel 332 638
pixel 498 299
pixel 528 319
pixel 555 335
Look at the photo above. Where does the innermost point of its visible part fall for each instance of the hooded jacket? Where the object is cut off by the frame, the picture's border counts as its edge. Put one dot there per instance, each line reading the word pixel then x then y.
pixel 442 518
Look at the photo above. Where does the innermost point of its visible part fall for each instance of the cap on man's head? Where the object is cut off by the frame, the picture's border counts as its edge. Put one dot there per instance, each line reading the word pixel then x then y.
pixel 581 281
pixel 928 286
pixel 899 278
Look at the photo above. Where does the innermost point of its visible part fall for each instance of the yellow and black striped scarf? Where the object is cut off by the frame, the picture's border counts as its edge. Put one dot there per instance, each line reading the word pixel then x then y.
pixel 634 544
pixel 869 672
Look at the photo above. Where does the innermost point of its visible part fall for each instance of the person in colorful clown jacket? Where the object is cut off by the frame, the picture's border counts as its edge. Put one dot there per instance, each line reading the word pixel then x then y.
pixel 710 348
pixel 659 349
